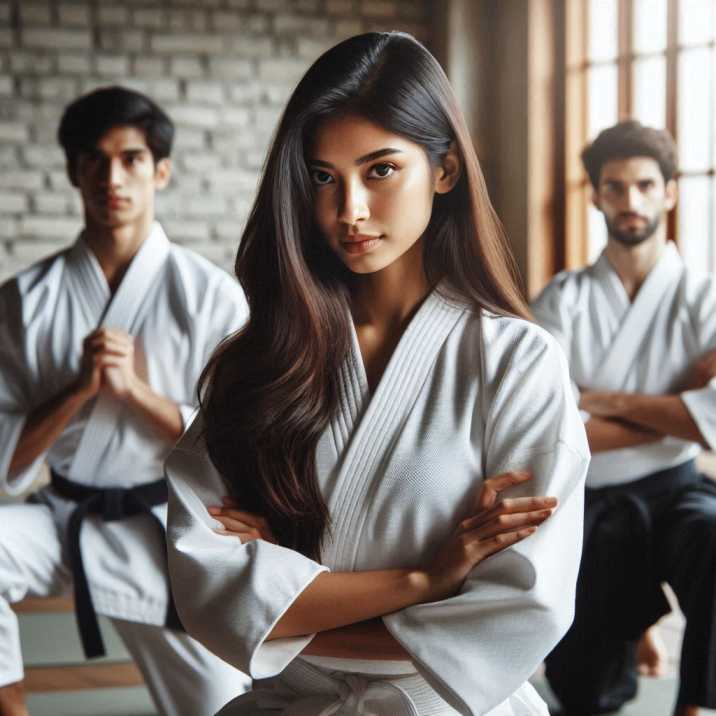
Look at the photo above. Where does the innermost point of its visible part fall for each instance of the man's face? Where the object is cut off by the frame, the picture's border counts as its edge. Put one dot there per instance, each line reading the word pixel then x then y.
pixel 634 199
pixel 118 179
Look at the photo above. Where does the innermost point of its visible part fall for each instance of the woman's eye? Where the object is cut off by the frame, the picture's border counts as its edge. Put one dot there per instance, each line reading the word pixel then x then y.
pixel 382 171
pixel 320 177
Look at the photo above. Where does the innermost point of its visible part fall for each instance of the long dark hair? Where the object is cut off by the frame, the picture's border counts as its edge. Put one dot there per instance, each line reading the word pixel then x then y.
pixel 268 393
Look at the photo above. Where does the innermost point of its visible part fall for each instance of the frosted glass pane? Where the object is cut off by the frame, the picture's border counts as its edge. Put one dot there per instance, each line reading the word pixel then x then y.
pixel 597 233
pixel 603 29
pixel 696 21
pixel 694 108
pixel 712 118
pixel 603 98
pixel 712 227
pixel 649 25
pixel 650 91
pixel 694 219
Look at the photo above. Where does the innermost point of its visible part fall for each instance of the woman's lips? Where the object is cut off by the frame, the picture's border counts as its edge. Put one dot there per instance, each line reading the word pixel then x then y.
pixel 360 243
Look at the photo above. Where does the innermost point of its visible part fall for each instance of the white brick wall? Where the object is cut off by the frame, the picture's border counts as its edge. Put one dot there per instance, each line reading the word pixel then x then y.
pixel 221 68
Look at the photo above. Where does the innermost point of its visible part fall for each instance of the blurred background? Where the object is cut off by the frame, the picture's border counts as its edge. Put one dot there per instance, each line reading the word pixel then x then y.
pixel 222 69
pixel 536 79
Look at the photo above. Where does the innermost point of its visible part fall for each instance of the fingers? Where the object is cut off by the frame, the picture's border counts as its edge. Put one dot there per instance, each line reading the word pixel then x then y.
pixel 248 518
pixel 507 479
pixel 244 537
pixel 109 348
pixel 508 506
pixel 110 361
pixel 585 399
pixel 108 340
pixel 240 522
pixel 104 332
pixel 504 541
pixel 102 345
pixel 112 349
pixel 233 525
pixel 510 523
pixel 492 486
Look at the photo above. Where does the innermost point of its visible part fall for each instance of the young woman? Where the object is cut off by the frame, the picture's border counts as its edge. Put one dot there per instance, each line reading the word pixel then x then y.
pixel 384 392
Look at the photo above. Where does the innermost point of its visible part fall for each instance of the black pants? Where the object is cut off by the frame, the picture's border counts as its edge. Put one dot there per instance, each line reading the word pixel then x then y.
pixel 659 528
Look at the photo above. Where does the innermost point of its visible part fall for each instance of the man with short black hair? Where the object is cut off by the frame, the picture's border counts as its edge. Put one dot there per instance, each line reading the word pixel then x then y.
pixel 639 331
pixel 101 346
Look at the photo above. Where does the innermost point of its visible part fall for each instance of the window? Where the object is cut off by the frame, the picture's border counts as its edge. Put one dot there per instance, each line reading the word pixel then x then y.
pixel 655 61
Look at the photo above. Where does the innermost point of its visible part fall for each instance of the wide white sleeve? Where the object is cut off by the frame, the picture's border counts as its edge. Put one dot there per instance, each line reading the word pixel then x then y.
pixel 701 403
pixel 551 310
pixel 477 648
pixel 221 312
pixel 15 391
pixel 229 595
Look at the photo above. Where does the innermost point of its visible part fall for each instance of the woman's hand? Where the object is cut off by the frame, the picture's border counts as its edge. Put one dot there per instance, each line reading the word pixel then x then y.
pixel 238 523
pixel 496 525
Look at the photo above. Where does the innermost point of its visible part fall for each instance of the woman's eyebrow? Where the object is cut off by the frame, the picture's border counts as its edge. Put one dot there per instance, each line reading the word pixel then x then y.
pixel 361 160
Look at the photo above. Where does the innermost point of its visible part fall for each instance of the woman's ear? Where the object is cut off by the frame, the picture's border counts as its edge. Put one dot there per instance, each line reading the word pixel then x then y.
pixel 448 172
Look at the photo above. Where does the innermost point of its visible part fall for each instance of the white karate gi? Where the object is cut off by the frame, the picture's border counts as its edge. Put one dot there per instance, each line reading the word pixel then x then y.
pixel 178 307
pixel 463 397
pixel 644 346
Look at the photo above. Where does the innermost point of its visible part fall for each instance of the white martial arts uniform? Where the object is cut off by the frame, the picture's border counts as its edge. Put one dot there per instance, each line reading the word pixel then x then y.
pixel 645 346
pixel 178 307
pixel 463 397
pixel 650 517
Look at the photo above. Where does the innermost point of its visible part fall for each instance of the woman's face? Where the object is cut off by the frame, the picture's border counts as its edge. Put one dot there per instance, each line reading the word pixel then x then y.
pixel 373 191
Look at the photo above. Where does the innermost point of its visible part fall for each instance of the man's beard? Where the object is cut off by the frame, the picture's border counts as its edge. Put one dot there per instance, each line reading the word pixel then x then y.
pixel 633 238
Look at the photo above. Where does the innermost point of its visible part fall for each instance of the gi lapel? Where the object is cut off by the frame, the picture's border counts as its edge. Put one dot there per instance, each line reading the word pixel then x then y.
pixel 383 418
pixel 354 395
pixel 126 310
pixel 621 355
pixel 86 279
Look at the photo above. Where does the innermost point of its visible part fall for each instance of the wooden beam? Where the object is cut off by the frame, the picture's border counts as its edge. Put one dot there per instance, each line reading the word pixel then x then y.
pixel 544 231
pixel 672 89
pixel 76 677
pixel 625 62
pixel 72 677
pixel 44 605
pixel 576 32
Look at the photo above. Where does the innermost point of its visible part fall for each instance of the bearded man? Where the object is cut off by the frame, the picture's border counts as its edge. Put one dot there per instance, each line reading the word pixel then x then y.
pixel 639 329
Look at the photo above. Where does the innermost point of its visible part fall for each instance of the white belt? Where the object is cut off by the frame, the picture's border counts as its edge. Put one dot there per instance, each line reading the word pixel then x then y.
pixel 305 690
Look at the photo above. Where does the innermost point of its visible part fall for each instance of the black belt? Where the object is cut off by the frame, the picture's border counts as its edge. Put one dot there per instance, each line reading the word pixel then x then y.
pixel 109 504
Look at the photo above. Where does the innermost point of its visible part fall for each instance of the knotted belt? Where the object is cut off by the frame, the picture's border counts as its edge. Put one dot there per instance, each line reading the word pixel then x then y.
pixel 109 504
pixel 304 690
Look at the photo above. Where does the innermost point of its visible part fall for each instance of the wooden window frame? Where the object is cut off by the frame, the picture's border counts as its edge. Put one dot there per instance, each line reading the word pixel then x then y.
pixel 575 67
